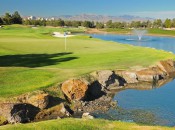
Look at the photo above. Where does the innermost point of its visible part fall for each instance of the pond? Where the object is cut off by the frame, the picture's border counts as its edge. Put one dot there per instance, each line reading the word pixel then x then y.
pixel 163 43
pixel 150 107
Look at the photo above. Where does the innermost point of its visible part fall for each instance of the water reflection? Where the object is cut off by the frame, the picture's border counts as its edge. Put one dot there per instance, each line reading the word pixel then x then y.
pixel 136 115
pixel 142 86
pixel 145 103
pixel 158 101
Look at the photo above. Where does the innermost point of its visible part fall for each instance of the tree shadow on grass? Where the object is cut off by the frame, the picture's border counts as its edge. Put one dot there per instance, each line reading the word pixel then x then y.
pixel 34 60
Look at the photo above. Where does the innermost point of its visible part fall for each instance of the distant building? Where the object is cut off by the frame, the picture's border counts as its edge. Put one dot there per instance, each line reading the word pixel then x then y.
pixel 31 18
pixel 39 18
pixel 46 19
pixel 52 18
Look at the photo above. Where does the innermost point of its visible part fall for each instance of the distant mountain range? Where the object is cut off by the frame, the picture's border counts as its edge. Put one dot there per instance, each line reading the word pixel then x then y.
pixel 103 18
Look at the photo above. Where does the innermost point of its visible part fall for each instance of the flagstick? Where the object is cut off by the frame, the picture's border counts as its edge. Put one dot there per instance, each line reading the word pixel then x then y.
pixel 65 41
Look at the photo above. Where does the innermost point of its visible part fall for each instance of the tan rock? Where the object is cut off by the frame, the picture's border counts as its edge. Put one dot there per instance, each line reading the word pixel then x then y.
pixel 108 79
pixel 18 113
pixel 87 116
pixel 104 76
pixel 150 74
pixel 129 76
pixel 167 66
pixel 75 89
pixel 55 112
pixel 140 86
pixel 38 99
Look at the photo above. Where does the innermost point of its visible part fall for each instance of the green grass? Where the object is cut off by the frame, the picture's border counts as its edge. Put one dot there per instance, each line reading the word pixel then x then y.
pixel 162 32
pixel 118 30
pixel 150 31
pixel 32 59
pixel 28 31
pixel 80 124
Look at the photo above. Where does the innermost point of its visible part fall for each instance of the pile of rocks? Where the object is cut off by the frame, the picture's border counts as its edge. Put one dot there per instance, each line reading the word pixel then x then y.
pixel 32 107
pixel 93 92
pixel 86 94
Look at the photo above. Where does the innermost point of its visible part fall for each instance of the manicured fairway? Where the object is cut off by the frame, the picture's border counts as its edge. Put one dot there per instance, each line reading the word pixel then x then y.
pixel 30 58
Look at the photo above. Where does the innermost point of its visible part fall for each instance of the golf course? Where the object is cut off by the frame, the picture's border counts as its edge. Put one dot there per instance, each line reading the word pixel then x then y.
pixel 32 59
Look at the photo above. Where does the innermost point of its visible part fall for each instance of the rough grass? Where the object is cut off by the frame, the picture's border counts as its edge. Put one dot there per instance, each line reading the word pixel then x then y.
pixel 32 59
pixel 81 124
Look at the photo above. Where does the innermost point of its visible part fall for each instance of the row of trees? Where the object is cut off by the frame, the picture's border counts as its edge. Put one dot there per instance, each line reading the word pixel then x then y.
pixel 8 18
pixel 59 22
pixel 158 23
pixel 168 23
pixel 15 18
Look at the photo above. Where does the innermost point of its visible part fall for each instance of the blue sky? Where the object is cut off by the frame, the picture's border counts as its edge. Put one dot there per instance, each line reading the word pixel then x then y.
pixel 144 8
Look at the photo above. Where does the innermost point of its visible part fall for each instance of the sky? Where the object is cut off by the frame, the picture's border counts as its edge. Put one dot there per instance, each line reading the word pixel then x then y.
pixel 45 8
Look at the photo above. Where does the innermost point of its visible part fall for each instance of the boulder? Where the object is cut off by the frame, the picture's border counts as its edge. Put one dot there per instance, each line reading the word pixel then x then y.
pixel 104 77
pixel 95 91
pixel 167 66
pixel 55 112
pixel 38 99
pixel 140 86
pixel 75 89
pixel 108 78
pixel 18 113
pixel 150 74
pixel 129 76
pixel 87 116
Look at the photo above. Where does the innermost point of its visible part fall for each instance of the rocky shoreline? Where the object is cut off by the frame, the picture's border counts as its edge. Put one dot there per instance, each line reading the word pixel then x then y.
pixel 83 95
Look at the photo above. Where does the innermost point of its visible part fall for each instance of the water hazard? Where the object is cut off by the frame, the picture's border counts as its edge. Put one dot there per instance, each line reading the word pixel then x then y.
pixel 155 106
pixel 162 43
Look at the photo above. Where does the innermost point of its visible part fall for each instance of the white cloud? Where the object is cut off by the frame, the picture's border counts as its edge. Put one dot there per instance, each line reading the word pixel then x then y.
pixel 155 14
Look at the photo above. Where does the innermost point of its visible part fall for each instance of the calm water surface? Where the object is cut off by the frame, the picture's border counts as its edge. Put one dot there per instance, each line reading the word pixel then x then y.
pixel 164 43
pixel 154 107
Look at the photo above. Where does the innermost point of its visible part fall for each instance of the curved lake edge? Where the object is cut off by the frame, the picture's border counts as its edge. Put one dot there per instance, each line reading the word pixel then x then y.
pixel 128 33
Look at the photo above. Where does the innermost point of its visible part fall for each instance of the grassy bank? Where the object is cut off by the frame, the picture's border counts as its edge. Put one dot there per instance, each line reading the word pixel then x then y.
pixel 31 59
pixel 80 124
pixel 160 32
pixel 118 31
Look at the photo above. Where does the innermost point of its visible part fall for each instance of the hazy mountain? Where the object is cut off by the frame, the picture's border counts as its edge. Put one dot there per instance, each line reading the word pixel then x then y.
pixel 103 18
